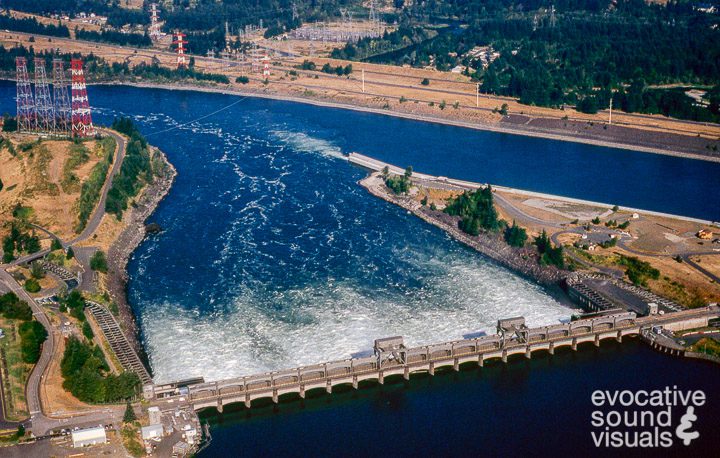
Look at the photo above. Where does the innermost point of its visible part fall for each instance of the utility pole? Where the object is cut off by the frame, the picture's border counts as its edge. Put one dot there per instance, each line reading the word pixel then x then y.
pixel 610 118
pixel 363 79
pixel 477 96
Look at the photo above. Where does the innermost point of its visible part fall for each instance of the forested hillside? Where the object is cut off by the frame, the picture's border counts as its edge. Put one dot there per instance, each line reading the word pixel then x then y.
pixel 567 52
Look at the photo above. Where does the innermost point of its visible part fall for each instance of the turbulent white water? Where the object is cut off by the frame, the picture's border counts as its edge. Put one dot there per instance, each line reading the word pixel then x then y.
pixel 337 320
pixel 273 257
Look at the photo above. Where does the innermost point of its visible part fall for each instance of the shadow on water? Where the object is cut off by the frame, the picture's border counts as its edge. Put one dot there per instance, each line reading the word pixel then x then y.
pixel 541 405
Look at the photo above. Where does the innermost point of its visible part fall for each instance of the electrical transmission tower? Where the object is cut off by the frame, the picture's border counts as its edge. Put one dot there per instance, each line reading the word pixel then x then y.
pixel 154 22
pixel 43 102
pixel 373 14
pixel 63 110
pixel 180 42
pixel 553 20
pixel 82 125
pixel 25 101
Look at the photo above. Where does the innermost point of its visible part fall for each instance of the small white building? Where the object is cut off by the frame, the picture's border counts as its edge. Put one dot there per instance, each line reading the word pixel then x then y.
pixel 155 415
pixel 89 436
pixel 152 432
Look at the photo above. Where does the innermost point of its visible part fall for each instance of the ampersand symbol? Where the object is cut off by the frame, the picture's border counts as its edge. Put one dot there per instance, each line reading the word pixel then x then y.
pixel 686 422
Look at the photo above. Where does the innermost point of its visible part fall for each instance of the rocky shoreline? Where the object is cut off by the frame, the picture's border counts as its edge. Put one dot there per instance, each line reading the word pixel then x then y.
pixel 520 260
pixel 126 243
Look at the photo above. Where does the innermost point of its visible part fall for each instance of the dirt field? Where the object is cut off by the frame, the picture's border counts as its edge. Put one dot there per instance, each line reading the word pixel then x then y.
pixel 55 400
pixel 35 179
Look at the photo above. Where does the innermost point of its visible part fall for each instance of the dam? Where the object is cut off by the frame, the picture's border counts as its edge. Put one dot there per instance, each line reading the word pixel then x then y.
pixel 392 358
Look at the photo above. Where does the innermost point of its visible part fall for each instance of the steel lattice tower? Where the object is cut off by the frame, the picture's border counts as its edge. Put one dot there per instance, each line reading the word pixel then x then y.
pixel 154 22
pixel 25 101
pixel 82 125
pixel 63 110
pixel 43 101
pixel 180 42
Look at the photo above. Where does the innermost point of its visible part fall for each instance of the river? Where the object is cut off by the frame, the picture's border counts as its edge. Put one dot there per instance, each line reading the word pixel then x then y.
pixel 272 256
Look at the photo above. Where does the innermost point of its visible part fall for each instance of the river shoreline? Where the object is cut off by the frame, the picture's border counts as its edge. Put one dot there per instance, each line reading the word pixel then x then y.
pixel 516 130
pixel 522 261
pixel 129 239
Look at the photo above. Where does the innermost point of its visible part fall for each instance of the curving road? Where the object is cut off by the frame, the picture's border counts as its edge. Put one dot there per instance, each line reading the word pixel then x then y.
pixel 99 212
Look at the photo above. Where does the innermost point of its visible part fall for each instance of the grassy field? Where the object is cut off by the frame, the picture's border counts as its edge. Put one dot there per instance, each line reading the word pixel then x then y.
pixel 14 371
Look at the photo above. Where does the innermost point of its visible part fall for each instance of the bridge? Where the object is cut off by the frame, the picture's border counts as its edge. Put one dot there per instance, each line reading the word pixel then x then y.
pixel 392 358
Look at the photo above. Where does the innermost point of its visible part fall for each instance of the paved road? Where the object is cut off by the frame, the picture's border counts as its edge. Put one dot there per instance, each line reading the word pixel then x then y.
pixel 99 212
pixel 144 52
pixel 32 389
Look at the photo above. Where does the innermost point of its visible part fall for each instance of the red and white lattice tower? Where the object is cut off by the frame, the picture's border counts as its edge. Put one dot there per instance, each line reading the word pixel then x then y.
pixel 82 125
pixel 180 42
pixel 266 65
pixel 154 22
pixel 43 102
pixel 25 101
pixel 63 109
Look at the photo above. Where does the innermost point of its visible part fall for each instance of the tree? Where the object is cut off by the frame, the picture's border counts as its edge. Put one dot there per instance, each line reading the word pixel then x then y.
pixel 98 262
pixel 504 109
pixel 36 270
pixel 129 415
pixel 548 254
pixel 32 285
pixel 242 79
pixel 87 331
pixel 32 335
pixel 515 235
pixel 1 185
pixel 70 253
pixel 55 245
pixel 21 430
pixel 425 82
pixel 10 124
pixel 76 304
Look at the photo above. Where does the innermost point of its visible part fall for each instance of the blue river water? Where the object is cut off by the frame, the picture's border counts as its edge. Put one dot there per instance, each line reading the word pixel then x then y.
pixel 272 256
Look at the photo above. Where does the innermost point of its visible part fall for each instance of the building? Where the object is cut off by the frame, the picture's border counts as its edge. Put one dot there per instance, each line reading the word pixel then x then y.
pixel 705 234
pixel 152 432
pixel 88 436
pixel 155 415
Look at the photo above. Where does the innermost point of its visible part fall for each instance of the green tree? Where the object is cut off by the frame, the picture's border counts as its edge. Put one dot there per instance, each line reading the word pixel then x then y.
pixel 55 245
pixel 32 285
pixel 515 235
pixel 32 335
pixel 425 82
pixel 36 270
pixel 70 253
pixel 10 124
pixel 87 331
pixel 129 415
pixel 98 262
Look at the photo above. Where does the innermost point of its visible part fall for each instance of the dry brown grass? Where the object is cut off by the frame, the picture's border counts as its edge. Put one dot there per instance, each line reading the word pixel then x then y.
pixel 379 96
pixel 34 179
pixel 55 400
